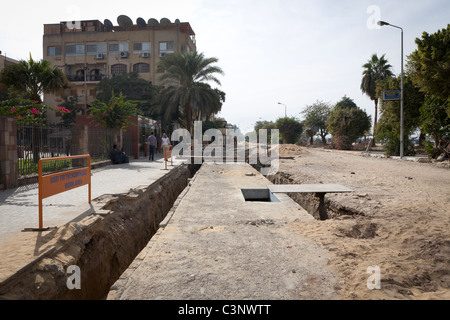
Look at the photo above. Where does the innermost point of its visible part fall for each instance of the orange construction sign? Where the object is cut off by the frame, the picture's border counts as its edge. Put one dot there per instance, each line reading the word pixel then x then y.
pixel 55 183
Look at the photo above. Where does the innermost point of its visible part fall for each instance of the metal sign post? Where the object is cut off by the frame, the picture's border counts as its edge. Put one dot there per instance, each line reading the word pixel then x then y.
pixel 167 154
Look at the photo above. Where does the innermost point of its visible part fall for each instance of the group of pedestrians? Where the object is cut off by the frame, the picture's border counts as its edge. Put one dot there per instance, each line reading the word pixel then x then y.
pixel 119 156
pixel 153 144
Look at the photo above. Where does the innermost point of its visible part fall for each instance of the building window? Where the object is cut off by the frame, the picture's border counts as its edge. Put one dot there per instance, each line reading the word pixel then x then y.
pixel 141 67
pixel 140 47
pixel 54 51
pixel 74 49
pixel 117 47
pixel 95 48
pixel 117 69
pixel 165 48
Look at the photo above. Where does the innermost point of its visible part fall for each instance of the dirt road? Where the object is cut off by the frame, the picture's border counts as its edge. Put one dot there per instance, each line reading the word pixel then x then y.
pixel 397 219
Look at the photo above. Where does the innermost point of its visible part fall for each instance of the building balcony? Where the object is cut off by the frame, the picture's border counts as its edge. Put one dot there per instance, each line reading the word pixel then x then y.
pixel 90 78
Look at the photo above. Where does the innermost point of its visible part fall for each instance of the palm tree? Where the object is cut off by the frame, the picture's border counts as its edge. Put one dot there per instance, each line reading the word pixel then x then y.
pixel 184 88
pixel 34 78
pixel 376 69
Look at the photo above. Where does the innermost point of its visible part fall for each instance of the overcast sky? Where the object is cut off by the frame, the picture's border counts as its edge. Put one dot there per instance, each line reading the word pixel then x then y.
pixel 290 51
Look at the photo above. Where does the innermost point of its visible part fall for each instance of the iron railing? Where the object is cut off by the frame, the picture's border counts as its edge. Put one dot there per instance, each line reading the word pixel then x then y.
pixel 36 142
pixel 49 141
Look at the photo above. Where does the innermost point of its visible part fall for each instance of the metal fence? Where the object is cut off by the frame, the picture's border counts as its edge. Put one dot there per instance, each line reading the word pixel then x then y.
pixel 98 143
pixel 101 141
pixel 36 142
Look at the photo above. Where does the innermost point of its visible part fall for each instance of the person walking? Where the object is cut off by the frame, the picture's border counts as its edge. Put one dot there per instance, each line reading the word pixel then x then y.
pixel 152 143
pixel 164 142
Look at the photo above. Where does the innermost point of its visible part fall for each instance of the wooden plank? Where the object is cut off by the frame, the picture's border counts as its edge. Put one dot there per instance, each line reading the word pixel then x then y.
pixel 313 188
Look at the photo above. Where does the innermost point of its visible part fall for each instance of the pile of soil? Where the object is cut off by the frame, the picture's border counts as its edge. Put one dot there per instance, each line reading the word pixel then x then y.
pixel 396 218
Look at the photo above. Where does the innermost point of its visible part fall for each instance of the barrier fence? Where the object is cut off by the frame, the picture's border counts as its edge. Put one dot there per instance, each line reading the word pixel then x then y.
pixel 54 183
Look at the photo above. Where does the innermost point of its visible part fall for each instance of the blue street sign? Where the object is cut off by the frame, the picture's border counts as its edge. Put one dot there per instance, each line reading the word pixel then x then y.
pixel 391 95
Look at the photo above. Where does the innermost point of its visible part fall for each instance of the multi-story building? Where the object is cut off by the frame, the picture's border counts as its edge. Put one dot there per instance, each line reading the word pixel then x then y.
pixel 6 61
pixel 88 51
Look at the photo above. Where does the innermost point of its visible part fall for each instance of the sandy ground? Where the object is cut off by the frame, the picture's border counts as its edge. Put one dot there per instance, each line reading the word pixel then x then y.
pixel 402 226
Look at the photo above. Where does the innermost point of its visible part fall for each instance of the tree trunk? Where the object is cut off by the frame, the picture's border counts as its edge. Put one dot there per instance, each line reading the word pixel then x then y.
pixel 421 138
pixel 189 116
pixel 376 118
pixel 372 141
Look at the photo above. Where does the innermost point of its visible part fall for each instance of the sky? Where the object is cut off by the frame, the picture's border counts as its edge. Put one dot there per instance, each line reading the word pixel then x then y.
pixel 277 55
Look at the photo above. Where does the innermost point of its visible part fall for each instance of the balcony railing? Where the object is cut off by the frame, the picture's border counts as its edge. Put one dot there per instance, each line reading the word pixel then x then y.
pixel 74 78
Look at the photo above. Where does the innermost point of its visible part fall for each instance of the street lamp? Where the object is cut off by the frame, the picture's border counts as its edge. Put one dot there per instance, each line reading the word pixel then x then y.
pixel 285 111
pixel 383 23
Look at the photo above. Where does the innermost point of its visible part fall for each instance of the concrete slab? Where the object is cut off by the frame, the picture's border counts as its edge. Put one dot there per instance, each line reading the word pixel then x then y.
pixel 215 245
pixel 313 188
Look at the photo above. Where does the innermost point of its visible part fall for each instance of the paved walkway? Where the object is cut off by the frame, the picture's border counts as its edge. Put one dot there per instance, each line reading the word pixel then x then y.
pixel 215 245
pixel 19 207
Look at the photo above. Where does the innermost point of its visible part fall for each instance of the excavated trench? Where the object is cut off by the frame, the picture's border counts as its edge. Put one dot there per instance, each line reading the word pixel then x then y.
pixel 310 202
pixel 102 245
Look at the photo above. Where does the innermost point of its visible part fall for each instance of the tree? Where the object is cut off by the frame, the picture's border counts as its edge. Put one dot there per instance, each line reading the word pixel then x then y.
pixel 268 126
pixel 133 88
pixel 290 129
pixel 114 114
pixel 71 105
pixel 429 68
pixel 184 88
pixel 375 70
pixel 31 79
pixel 34 78
pixel 429 64
pixel 27 112
pixel 316 116
pixel 346 102
pixel 435 120
pixel 389 124
pixel 347 124
pixel 261 124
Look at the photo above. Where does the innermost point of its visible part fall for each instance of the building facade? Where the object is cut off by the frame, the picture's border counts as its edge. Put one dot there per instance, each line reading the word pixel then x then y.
pixel 6 61
pixel 88 51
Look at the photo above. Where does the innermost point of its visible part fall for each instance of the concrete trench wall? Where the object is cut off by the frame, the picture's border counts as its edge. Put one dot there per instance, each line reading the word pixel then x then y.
pixel 102 246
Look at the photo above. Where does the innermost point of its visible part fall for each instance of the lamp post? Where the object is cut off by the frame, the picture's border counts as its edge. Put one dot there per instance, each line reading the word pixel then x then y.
pixel 285 111
pixel 383 23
